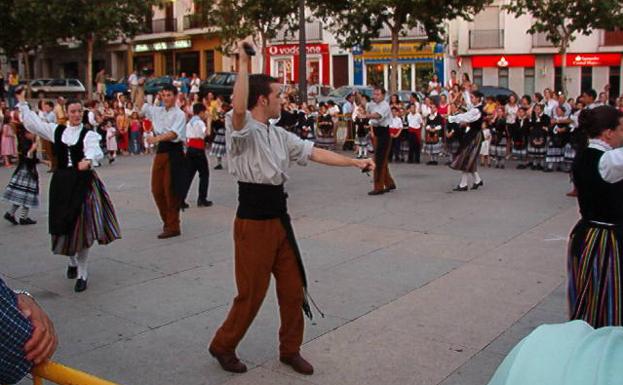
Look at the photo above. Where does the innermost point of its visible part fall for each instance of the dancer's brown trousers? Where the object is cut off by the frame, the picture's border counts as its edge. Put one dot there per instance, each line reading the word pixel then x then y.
pixel 262 249
pixel 162 191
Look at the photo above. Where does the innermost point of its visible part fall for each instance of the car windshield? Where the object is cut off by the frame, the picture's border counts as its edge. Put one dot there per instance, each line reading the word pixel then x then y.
pixel 341 92
pixel 218 79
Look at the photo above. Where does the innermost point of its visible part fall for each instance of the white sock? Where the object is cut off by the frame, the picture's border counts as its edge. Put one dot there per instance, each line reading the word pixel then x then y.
pixel 477 178
pixel 463 182
pixel 13 209
pixel 73 262
pixel 83 263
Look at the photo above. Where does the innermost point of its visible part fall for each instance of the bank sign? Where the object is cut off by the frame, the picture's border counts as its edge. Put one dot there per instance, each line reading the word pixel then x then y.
pixel 590 60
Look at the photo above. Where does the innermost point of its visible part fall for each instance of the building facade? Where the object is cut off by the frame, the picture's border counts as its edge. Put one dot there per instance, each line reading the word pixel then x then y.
pixel 496 49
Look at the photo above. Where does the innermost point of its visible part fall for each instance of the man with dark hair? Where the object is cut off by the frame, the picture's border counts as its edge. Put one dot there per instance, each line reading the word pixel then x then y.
pixel 380 115
pixel 196 131
pixel 259 154
pixel 169 174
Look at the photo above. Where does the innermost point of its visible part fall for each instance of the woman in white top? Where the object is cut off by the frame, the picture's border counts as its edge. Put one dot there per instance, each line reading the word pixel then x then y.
pixel 511 109
pixel 195 82
pixel 434 85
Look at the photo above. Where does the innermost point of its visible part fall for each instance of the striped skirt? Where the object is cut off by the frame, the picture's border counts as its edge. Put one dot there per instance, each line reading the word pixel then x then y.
pixel 569 153
pixel 595 274
pixel 326 142
pixel 536 152
pixel 96 222
pixel 499 150
pixel 466 158
pixel 554 154
pixel 433 148
pixel 218 148
pixel 23 188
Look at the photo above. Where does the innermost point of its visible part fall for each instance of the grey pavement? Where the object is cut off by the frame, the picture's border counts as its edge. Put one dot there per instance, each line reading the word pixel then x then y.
pixel 419 286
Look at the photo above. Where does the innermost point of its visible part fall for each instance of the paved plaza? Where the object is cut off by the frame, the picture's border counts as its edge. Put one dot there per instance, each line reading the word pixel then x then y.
pixel 419 286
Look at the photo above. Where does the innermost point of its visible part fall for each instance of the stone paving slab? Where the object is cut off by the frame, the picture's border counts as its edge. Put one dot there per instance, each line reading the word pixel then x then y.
pixel 420 286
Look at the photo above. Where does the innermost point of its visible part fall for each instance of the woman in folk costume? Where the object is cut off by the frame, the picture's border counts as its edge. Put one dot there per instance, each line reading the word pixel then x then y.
pixel 537 140
pixel 499 143
pixel 558 138
pixel 218 149
pixel 434 131
pixel 519 136
pixel 23 188
pixel 80 209
pixel 595 256
pixel 466 159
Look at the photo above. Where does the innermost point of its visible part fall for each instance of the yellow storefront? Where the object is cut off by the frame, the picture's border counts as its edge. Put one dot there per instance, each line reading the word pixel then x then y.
pixel 198 54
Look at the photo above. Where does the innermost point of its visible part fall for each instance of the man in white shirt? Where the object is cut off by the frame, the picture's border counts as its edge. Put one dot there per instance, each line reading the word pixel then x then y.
pixel 196 131
pixel 133 82
pixel 169 176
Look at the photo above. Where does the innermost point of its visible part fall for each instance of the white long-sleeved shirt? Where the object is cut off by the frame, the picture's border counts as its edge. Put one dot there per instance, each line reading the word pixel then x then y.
pixel 414 120
pixel 165 120
pixel 91 142
pixel 472 115
pixel 611 163
pixel 196 128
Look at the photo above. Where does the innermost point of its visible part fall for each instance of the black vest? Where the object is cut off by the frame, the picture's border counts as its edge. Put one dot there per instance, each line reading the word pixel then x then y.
pixel 63 151
pixel 474 128
pixel 599 200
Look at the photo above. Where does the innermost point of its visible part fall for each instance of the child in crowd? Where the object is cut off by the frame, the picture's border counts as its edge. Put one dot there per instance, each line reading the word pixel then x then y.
pixel 395 129
pixel 485 147
pixel 111 140
pixel 433 135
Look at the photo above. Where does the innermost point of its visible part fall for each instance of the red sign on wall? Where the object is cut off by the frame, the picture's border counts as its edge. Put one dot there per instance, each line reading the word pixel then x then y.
pixel 503 61
pixel 292 50
pixel 589 59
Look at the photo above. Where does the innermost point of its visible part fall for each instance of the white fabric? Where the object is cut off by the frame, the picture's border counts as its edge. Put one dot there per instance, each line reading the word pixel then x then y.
pixel 396 123
pixel 383 110
pixel 196 128
pixel 611 163
pixel 467 117
pixel 415 120
pixel 511 113
pixel 165 120
pixel 194 85
pixel 83 264
pixel 133 79
pixel 34 124
pixel 260 153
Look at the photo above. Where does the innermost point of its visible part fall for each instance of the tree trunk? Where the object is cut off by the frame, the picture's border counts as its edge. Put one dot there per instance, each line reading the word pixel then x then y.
pixel 302 54
pixel 263 56
pixel 89 77
pixel 27 71
pixel 393 75
pixel 564 44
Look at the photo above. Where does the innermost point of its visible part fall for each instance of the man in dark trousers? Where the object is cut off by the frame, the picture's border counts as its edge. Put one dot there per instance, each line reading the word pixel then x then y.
pixel 380 115
pixel 259 155
pixel 196 131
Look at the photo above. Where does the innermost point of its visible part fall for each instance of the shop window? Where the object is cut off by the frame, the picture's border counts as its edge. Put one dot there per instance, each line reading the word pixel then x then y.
pixel 528 81
pixel 144 64
pixel 374 75
pixel 187 62
pixel 423 74
pixel 405 77
pixel 477 76
pixel 587 78
pixel 615 81
pixel 558 78
pixel 284 70
pixel 503 77
pixel 169 64
pixel 313 71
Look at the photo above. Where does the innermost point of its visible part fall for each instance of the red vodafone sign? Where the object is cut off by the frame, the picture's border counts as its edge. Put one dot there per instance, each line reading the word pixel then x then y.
pixel 293 49
pixel 503 61
pixel 589 59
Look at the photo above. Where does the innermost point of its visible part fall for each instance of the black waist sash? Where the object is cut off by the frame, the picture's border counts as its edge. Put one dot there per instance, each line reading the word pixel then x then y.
pixel 180 180
pixel 68 190
pixel 264 202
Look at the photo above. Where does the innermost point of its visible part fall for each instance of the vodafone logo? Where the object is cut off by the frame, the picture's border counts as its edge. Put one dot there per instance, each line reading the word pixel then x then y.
pixel 293 49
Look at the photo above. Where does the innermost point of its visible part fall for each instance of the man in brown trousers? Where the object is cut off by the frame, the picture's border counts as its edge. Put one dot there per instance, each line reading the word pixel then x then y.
pixel 169 180
pixel 259 153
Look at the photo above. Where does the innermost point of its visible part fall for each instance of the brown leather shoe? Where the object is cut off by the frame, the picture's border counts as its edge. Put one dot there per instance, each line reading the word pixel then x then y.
pixel 169 234
pixel 376 192
pixel 229 362
pixel 298 363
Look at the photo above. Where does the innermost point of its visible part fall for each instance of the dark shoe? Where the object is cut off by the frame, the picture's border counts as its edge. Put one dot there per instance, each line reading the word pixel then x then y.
pixel 434 163
pixel 298 363
pixel 521 166
pixel 539 167
pixel 72 272
pixel 169 234
pixel 430 163
pixel 229 362
pixel 81 285
pixel 218 167
pixel 497 166
pixel 184 205
pixel 390 188
pixel 27 221
pixel 459 188
pixel 10 218
pixel 548 170
pixel 502 166
pixel 204 203
pixel 376 192
pixel 479 184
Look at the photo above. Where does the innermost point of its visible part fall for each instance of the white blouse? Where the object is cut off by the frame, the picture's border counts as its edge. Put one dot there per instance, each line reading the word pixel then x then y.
pixel 92 149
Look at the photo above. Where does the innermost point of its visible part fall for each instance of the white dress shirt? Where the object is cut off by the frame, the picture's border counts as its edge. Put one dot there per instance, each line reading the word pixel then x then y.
pixel 165 120
pixel 382 109
pixel 91 142
pixel 467 117
pixel 196 128
pixel 414 120
pixel 611 163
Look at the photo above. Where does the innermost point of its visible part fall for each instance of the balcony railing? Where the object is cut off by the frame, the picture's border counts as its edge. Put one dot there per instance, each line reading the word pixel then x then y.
pixel 612 38
pixel 539 39
pixel 194 21
pixel 163 25
pixel 486 38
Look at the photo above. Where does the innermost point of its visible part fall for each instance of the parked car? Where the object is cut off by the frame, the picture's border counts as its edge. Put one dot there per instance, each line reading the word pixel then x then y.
pixel 499 93
pixel 315 91
pixel 219 83
pixel 154 85
pixel 37 85
pixel 62 87
pixel 338 95
pixel 113 87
